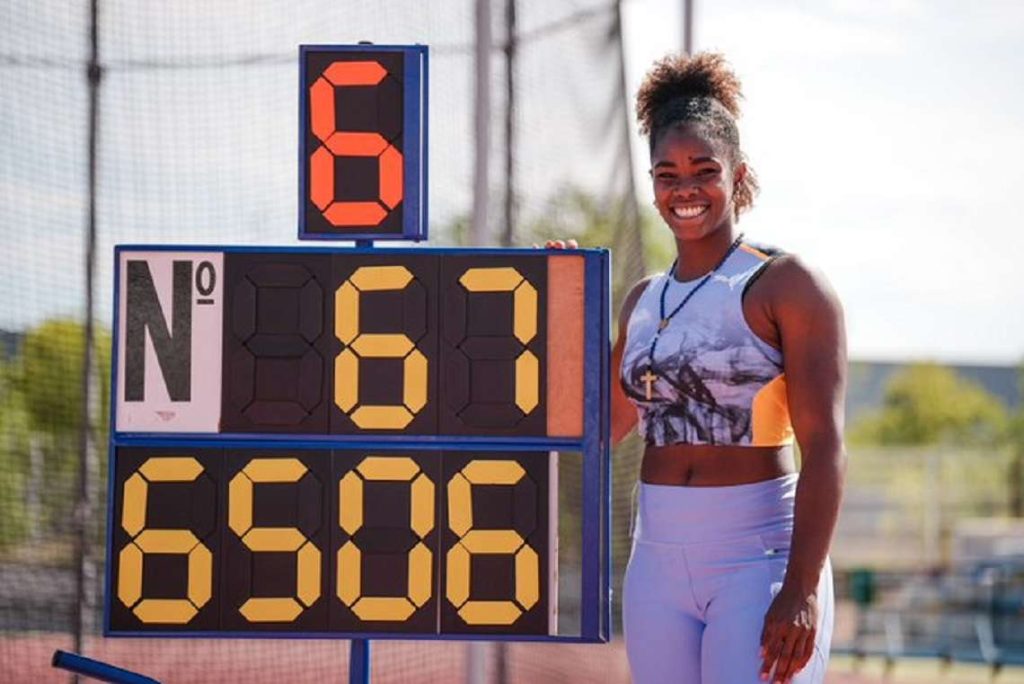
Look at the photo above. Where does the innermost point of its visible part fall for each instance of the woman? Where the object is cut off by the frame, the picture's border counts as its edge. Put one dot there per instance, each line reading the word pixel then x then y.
pixel 724 359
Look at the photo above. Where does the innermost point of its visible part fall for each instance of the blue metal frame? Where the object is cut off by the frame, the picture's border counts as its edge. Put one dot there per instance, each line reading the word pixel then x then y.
pixel 112 414
pixel 595 624
pixel 414 136
pixel 96 669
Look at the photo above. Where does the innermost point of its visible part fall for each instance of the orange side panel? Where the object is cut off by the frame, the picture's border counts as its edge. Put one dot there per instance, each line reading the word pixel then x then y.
pixel 771 425
pixel 565 346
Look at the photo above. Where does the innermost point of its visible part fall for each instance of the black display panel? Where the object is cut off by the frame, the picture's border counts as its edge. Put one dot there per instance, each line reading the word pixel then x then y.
pixel 493 345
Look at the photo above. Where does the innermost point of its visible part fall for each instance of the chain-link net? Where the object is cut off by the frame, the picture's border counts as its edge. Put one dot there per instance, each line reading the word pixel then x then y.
pixel 196 125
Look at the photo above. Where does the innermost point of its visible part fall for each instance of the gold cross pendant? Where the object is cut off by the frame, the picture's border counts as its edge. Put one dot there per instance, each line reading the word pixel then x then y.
pixel 648 379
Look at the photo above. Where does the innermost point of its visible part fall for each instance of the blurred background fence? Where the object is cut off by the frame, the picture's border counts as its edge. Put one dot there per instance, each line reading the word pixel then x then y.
pixel 190 110
pixel 176 122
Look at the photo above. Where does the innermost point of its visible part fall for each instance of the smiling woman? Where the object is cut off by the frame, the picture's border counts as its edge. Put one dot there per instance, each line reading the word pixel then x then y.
pixel 724 359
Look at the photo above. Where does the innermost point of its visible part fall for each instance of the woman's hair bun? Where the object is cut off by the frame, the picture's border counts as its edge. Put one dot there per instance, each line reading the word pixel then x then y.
pixel 678 77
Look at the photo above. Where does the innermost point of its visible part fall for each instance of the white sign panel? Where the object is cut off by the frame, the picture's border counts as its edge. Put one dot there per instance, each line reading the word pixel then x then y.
pixel 170 315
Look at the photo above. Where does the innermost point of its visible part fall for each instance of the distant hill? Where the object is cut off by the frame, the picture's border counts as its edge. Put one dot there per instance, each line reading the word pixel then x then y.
pixel 868 379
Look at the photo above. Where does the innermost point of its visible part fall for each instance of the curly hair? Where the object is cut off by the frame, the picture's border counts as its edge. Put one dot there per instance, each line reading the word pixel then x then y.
pixel 701 90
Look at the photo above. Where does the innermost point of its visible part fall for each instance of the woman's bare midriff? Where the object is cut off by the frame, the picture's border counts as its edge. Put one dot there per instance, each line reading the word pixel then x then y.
pixel 698 465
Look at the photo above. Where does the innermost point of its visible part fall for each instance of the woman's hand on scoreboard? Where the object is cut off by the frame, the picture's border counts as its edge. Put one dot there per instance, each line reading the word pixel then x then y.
pixel 559 244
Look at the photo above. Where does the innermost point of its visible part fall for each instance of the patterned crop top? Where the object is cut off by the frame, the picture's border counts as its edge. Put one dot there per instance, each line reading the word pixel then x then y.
pixel 714 381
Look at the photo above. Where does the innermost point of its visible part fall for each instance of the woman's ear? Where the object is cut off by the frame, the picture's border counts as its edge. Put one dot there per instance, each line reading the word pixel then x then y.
pixel 738 174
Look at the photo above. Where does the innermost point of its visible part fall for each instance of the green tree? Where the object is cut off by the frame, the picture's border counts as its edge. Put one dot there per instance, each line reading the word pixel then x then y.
pixel 931 404
pixel 47 378
pixel 50 375
pixel 1016 439
pixel 14 460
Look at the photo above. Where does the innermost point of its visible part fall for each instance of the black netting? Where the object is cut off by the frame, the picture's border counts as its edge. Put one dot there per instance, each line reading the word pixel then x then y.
pixel 196 143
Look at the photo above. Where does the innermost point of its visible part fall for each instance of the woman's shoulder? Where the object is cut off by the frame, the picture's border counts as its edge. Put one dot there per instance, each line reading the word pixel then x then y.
pixel 790 279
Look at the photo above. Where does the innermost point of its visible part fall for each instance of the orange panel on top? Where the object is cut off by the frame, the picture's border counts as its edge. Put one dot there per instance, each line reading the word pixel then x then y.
pixel 565 345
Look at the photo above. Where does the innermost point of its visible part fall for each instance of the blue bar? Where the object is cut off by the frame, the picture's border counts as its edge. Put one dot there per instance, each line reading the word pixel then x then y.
pixel 233 440
pixel 606 442
pixel 348 636
pixel 359 662
pixel 348 251
pixel 98 670
pixel 594 595
pixel 424 146
pixel 414 148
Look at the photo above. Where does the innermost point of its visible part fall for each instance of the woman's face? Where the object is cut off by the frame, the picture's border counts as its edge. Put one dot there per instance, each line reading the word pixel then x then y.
pixel 693 183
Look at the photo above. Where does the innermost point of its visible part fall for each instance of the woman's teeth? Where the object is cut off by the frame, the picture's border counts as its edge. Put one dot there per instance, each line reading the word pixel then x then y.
pixel 688 212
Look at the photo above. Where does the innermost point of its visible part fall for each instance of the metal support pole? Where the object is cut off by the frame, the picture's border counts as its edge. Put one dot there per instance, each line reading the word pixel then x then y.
pixel 359 662
pixel 359 649
pixel 83 503
pixel 479 230
pixel 688 26
pixel 508 235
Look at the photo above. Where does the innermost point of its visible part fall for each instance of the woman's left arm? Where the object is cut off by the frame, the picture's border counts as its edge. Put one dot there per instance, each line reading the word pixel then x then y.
pixel 810 323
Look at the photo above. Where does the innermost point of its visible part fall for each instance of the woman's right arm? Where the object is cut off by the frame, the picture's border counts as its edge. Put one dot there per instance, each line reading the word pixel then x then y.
pixel 623 412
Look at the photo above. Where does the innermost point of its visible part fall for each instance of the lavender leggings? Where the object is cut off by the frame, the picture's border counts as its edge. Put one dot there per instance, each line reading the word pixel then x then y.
pixel 706 563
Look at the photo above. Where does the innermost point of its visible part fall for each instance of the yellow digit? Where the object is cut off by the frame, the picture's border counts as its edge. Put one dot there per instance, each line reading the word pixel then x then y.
pixel 289 539
pixel 460 521
pixel 359 345
pixel 524 324
pixel 350 517
pixel 145 541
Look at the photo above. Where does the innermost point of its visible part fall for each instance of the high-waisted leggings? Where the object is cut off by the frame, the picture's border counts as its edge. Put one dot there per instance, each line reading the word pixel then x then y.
pixel 706 564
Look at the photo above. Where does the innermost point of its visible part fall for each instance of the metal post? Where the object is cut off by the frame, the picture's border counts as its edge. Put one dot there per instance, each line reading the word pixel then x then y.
pixel 508 235
pixel 359 649
pixel 627 243
pixel 359 662
pixel 688 26
pixel 479 233
pixel 83 503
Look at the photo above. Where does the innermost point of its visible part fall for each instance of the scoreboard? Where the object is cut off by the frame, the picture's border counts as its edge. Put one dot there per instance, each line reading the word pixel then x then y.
pixel 358 442
pixel 355 442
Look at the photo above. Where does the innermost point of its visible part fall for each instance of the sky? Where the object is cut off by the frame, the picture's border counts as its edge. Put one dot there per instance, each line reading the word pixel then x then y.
pixel 887 137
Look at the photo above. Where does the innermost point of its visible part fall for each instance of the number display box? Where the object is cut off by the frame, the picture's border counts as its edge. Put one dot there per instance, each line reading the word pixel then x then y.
pixel 359 443
pixel 363 142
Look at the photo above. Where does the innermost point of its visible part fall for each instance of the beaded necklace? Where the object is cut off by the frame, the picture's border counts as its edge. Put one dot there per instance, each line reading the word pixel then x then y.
pixel 650 376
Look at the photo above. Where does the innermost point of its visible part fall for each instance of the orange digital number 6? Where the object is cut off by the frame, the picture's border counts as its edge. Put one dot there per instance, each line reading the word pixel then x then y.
pixel 335 143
